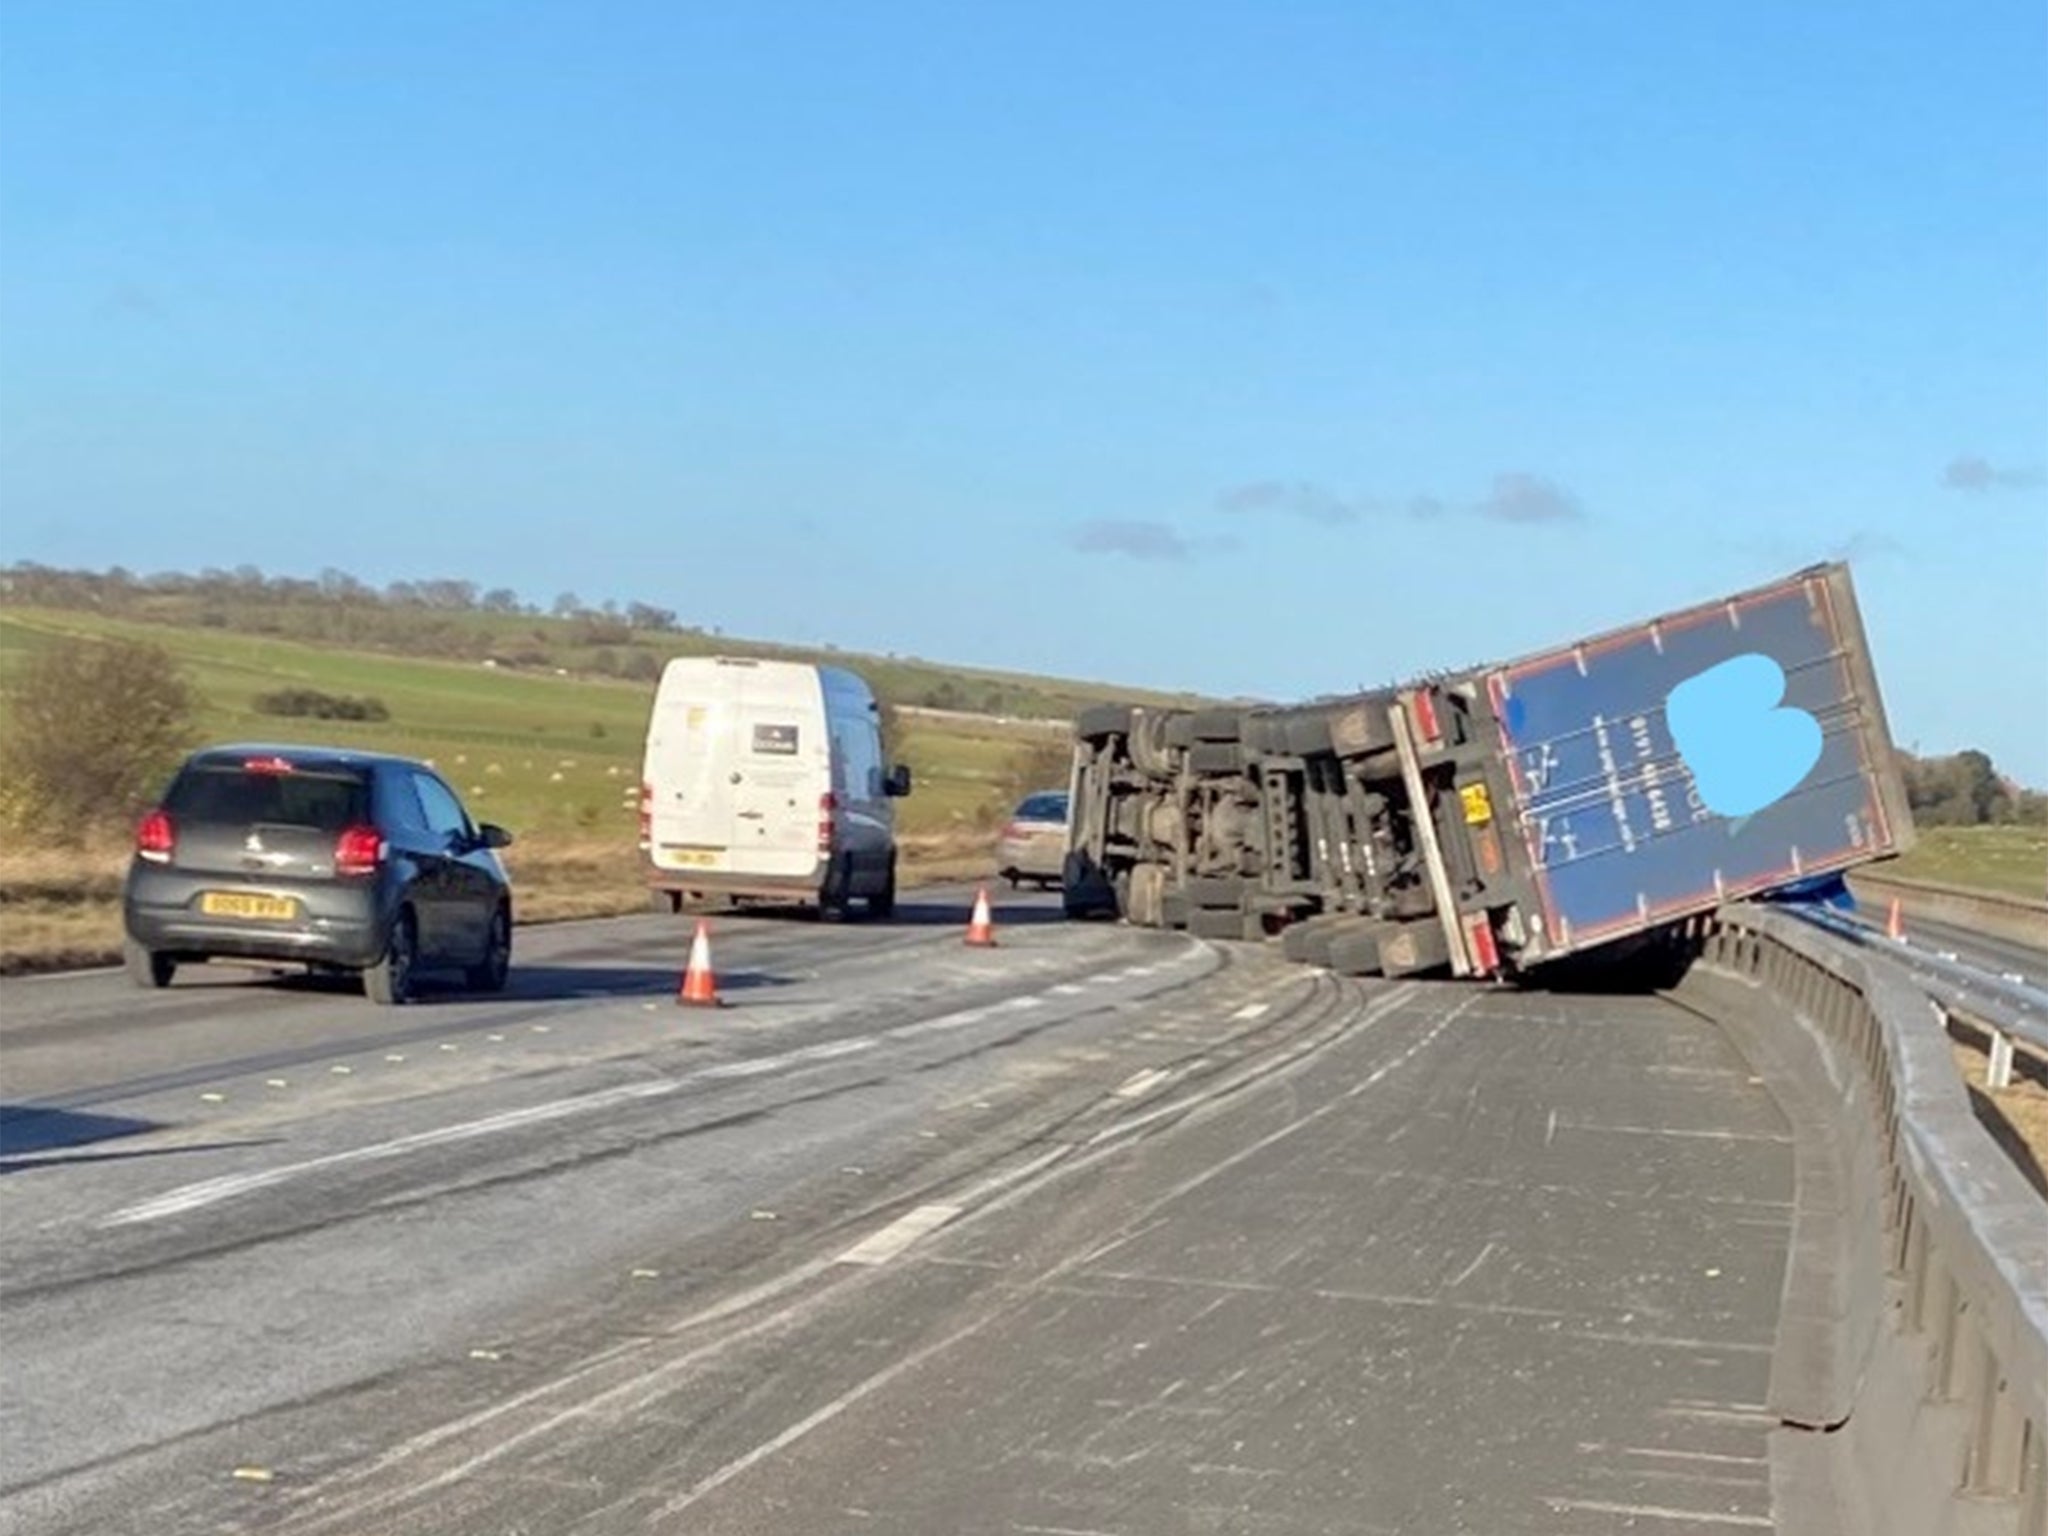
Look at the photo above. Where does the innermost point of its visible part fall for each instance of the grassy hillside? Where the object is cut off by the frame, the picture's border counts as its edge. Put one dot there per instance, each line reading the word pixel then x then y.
pixel 2010 860
pixel 555 758
pixel 546 755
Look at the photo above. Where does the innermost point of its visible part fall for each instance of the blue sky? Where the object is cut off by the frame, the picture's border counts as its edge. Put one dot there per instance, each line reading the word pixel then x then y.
pixel 1264 349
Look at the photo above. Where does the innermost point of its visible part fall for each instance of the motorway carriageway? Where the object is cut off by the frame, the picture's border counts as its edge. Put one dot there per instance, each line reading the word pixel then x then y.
pixel 1102 1230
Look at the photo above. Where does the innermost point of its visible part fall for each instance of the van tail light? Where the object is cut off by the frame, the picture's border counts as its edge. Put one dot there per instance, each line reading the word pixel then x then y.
pixel 828 821
pixel 1425 716
pixel 359 851
pixel 1013 831
pixel 646 815
pixel 155 837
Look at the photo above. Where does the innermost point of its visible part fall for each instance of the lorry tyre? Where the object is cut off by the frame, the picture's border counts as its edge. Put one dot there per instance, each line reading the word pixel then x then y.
pixel 1216 893
pixel 1309 734
pixel 1100 721
pixel 1216 757
pixel 1355 954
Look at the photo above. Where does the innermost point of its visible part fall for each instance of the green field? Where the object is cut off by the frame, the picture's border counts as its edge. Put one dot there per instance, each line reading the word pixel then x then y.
pixel 551 756
pixel 2009 860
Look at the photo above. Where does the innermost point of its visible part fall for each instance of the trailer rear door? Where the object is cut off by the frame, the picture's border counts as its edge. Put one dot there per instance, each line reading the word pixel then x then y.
pixel 1623 831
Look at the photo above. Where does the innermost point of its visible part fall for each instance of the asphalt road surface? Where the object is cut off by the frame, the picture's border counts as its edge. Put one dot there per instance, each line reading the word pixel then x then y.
pixel 1099 1231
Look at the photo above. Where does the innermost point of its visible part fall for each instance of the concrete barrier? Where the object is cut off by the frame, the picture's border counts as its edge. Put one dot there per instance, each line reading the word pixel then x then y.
pixel 1911 1372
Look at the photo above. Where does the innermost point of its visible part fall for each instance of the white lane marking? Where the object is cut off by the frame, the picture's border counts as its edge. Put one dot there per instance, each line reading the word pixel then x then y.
pixel 1660 1512
pixel 1473 1268
pixel 192 1197
pixel 1658 1453
pixel 1373 1014
pixel 1141 1083
pixel 1068 989
pixel 1253 1011
pixel 1667 1130
pixel 880 1247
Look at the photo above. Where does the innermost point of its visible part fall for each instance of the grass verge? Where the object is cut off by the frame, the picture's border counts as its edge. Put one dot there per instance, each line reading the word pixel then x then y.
pixel 61 910
pixel 2009 861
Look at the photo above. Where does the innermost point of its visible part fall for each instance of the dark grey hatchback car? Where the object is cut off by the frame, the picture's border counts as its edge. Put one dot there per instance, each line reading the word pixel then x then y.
pixel 342 861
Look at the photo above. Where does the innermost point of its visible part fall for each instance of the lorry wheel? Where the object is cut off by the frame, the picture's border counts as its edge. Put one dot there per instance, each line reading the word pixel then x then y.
pixel 1216 925
pixel 1308 735
pixel 1216 892
pixel 1099 721
pixel 1216 757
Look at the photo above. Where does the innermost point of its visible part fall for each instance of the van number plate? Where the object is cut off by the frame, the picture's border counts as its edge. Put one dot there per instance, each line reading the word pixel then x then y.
pixel 235 904
pixel 696 858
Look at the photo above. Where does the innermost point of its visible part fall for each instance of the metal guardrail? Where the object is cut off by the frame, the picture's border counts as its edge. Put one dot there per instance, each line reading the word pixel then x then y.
pixel 2008 1012
pixel 2020 919
pixel 1916 1381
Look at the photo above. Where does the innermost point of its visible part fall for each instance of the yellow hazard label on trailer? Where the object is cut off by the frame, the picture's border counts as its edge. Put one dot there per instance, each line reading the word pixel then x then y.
pixel 1478 804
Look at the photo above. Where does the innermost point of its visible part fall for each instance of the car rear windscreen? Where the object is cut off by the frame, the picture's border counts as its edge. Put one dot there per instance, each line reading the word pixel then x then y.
pixel 235 796
pixel 1043 808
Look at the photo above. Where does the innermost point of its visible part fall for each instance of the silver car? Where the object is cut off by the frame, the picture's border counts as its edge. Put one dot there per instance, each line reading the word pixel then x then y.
pixel 1034 844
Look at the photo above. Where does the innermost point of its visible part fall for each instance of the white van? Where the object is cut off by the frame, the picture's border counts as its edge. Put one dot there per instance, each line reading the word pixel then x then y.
pixel 766 779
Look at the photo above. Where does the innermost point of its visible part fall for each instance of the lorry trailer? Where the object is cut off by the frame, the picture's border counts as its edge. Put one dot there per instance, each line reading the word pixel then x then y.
pixel 1493 820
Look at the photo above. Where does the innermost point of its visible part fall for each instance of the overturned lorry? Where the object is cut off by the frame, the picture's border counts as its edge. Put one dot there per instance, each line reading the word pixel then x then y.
pixel 1491 821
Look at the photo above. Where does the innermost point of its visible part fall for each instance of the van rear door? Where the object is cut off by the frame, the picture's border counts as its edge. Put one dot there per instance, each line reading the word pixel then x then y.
pixel 779 783
pixel 691 758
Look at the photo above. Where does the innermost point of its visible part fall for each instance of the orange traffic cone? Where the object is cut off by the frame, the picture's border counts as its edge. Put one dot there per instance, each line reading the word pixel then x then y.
pixel 1895 925
pixel 700 987
pixel 981 928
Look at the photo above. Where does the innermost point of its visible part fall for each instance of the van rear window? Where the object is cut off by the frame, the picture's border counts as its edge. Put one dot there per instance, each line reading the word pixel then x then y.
pixel 233 796
pixel 775 740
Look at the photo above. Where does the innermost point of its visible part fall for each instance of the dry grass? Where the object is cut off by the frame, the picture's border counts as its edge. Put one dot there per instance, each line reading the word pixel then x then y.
pixel 2016 1117
pixel 60 908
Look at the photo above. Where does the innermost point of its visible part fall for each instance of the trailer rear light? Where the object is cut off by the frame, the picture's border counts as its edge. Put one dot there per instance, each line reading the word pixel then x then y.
pixel 828 821
pixel 155 837
pixel 1479 936
pixel 358 851
pixel 646 815
pixel 1425 716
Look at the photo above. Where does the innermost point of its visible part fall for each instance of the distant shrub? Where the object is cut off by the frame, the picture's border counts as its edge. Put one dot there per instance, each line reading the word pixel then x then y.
pixel 94 728
pixel 641 666
pixel 312 704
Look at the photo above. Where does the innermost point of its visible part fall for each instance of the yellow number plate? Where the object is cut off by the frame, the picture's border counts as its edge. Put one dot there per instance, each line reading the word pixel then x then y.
pixel 233 904
pixel 1478 804
pixel 696 858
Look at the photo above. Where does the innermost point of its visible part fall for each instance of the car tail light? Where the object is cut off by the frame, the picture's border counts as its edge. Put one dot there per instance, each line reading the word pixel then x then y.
pixel 359 851
pixel 646 815
pixel 1425 716
pixel 156 837
pixel 828 819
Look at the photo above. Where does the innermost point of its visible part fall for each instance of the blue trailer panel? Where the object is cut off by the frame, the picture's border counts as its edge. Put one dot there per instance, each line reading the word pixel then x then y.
pixel 1711 754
